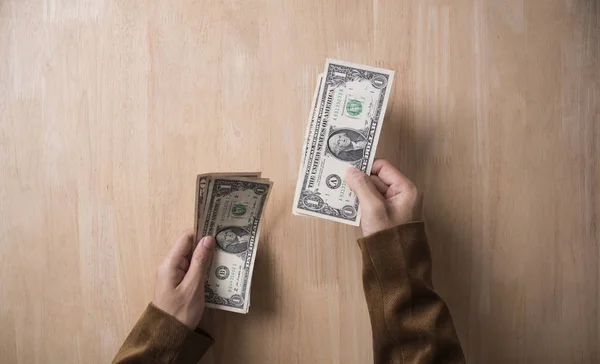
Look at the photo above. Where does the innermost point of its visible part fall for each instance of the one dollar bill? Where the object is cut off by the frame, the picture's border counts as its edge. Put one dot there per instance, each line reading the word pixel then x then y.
pixel 343 130
pixel 229 207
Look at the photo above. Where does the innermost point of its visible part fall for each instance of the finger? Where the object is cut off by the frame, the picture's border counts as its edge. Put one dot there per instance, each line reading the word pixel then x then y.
pixel 184 264
pixel 389 174
pixel 363 187
pixel 381 187
pixel 181 248
pixel 200 262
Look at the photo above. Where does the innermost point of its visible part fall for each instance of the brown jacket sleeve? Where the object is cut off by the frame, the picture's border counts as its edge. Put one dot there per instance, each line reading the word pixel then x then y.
pixel 158 337
pixel 410 322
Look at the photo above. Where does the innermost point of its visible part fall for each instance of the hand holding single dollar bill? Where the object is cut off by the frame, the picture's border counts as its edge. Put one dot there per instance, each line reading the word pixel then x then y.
pixel 343 129
pixel 229 207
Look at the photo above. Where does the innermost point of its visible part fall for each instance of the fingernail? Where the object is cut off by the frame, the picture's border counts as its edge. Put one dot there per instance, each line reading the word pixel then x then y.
pixel 351 171
pixel 208 242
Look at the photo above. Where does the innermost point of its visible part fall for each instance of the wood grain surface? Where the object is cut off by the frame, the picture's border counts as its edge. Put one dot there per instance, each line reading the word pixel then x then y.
pixel 108 110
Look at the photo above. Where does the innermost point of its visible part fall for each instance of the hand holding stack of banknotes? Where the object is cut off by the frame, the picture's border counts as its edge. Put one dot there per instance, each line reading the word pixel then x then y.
pixel 344 124
pixel 229 206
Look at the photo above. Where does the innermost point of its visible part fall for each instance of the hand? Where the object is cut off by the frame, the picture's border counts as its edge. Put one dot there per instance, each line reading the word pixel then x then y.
pixel 179 289
pixel 387 198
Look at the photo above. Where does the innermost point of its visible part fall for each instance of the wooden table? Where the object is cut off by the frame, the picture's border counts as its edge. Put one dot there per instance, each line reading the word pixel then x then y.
pixel 108 109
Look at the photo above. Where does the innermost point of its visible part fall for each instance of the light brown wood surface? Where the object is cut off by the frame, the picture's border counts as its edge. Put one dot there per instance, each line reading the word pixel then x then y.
pixel 108 110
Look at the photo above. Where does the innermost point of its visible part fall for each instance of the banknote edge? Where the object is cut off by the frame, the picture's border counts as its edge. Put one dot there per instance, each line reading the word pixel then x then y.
pixel 225 308
pixel 308 132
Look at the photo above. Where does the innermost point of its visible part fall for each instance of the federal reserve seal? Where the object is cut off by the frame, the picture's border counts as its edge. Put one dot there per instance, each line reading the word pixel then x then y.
pixel 333 181
pixel 222 272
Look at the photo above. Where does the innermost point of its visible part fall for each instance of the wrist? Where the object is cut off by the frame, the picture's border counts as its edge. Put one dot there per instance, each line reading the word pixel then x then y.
pixel 174 313
pixel 368 231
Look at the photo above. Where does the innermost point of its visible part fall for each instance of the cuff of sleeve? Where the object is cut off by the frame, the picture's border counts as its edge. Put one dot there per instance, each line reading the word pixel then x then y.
pixel 394 247
pixel 174 339
pixel 412 231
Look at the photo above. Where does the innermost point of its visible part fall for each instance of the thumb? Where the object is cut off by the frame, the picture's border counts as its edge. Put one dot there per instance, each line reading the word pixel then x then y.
pixel 363 187
pixel 200 262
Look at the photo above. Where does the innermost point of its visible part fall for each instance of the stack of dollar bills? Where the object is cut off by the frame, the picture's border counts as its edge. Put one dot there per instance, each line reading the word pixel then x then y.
pixel 229 207
pixel 344 124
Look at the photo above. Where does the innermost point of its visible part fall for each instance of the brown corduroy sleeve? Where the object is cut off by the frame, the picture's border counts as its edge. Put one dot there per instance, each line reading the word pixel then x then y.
pixel 410 322
pixel 158 337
